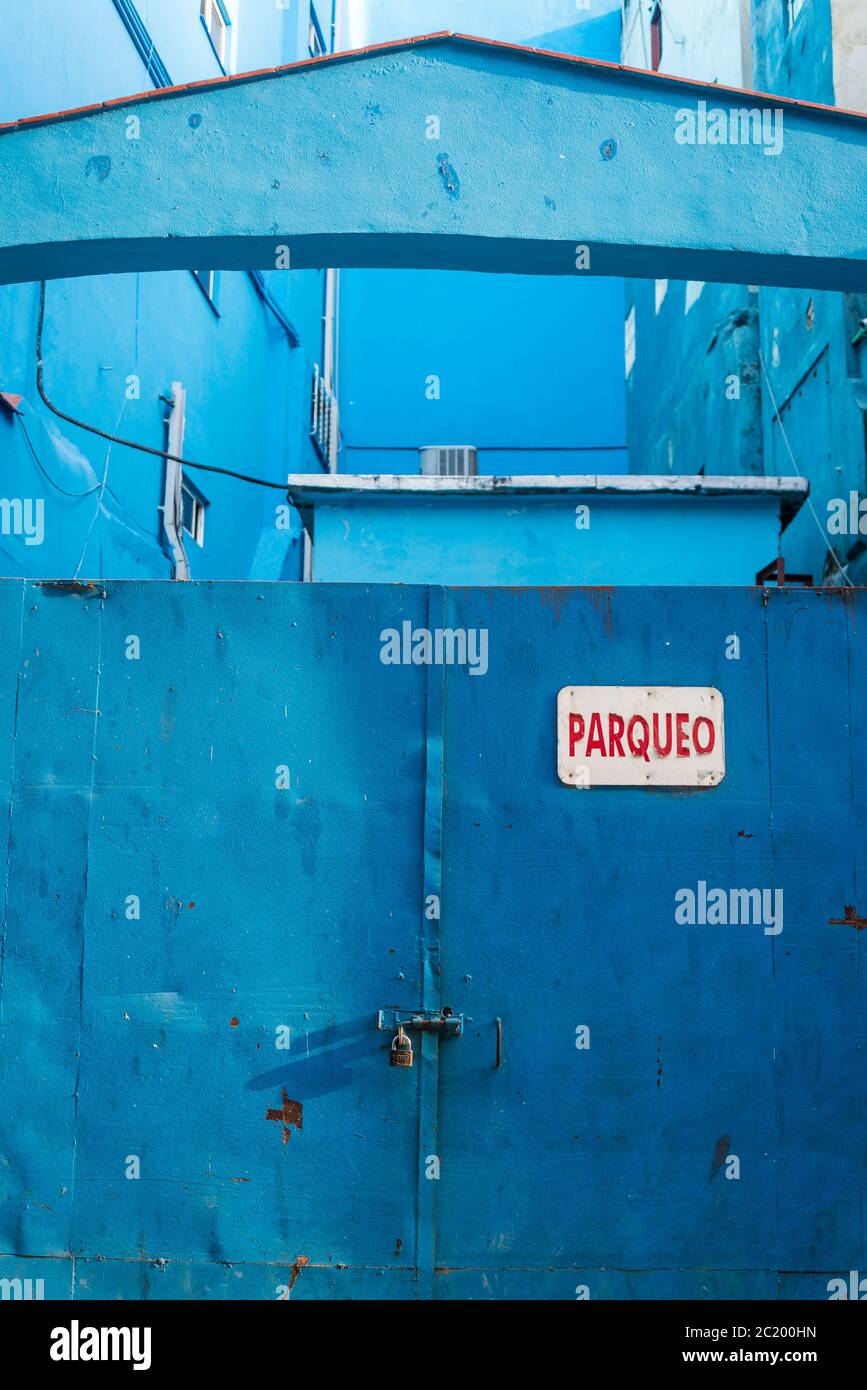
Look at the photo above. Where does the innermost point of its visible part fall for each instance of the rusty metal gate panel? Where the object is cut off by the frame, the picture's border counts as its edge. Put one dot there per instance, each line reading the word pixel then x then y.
pixel 260 907
pixel 604 1169
pixel 235 824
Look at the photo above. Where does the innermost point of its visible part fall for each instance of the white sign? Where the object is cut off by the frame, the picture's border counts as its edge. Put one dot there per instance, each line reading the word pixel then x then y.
pixel 640 736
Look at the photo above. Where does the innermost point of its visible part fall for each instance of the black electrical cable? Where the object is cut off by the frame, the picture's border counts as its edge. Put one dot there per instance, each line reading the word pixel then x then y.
pixel 76 496
pixel 64 492
pixel 129 443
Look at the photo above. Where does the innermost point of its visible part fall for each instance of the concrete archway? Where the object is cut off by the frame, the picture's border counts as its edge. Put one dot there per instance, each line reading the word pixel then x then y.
pixel 442 152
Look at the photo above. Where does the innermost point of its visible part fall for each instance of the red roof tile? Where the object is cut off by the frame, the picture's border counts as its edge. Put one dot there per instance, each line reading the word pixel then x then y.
pixel 442 37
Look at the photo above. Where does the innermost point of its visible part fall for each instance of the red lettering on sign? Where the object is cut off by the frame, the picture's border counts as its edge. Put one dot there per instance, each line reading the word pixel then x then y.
pixel 712 736
pixel 640 750
pixel 664 733
pixel 576 732
pixel 677 732
pixel 596 741
pixel 663 751
pixel 681 720
pixel 616 727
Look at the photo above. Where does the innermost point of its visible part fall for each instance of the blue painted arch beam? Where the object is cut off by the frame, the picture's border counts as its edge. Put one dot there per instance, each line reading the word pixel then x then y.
pixel 444 152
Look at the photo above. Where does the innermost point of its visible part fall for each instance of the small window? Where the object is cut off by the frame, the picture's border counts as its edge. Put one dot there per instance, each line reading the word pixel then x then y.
pixel 195 506
pixel 316 38
pixel 215 18
pixel 656 38
pixel 661 292
pixel 630 342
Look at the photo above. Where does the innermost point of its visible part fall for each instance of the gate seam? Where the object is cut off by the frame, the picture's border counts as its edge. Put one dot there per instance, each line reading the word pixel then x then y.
pixel 429 1043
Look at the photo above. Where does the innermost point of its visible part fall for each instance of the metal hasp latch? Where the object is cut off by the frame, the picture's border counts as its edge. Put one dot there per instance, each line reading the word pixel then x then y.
pixel 442 1021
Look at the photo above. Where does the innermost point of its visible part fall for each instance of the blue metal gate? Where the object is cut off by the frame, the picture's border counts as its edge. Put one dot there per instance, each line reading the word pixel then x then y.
pixel 235 835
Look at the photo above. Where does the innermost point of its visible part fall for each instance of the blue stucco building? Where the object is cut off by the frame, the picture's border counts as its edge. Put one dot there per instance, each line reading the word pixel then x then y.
pixel 547 531
pixel 747 379
pixel 313 371
pixel 528 371
pixel 255 832
pixel 243 347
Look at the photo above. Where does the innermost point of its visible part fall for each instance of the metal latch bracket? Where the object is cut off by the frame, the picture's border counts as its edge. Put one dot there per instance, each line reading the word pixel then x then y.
pixel 441 1021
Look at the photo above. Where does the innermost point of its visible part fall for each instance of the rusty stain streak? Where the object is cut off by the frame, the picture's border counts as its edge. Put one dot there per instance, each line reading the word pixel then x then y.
pixel 233 1023
pixel 556 597
pixel 844 594
pixel 659 1063
pixel 72 586
pixel 720 1154
pixel 600 596
pixel 290 1113
pixel 398 1248
pixel 297 1267
pixel 850 919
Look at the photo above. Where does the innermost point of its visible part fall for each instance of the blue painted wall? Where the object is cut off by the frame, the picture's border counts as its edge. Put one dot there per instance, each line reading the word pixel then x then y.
pixel 798 60
pixel 686 414
pixel 815 403
pixel 516 540
pixel 683 415
pixel 531 370
pixel 248 389
pixel 567 26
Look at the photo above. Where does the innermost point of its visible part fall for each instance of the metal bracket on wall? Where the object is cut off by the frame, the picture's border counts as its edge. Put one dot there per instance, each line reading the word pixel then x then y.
pixel 776 572
pixel 173 504
pixel 441 1021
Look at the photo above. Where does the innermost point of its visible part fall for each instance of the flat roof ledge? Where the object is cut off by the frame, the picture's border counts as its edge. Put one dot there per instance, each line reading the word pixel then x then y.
pixel 309 490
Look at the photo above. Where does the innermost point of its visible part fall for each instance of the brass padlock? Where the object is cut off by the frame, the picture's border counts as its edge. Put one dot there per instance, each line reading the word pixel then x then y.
pixel 401 1050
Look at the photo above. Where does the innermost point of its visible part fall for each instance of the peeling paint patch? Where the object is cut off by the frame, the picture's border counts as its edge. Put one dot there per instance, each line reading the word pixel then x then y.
pixel 99 164
pixel 58 587
pixel 290 1113
pixel 609 149
pixel 449 176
